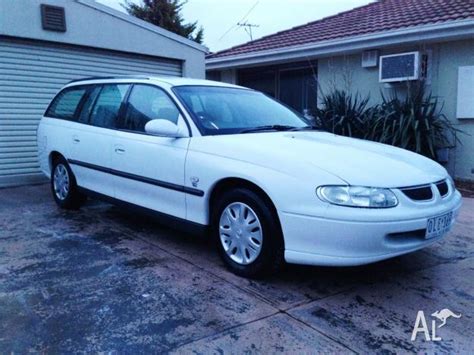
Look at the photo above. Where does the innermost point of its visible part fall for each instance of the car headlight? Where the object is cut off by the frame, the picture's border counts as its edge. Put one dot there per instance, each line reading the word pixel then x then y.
pixel 357 196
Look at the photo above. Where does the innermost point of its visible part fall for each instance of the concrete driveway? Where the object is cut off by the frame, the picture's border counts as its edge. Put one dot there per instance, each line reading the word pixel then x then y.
pixel 102 279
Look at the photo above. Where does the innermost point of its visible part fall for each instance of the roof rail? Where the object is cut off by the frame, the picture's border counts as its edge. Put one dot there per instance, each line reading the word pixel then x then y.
pixel 111 77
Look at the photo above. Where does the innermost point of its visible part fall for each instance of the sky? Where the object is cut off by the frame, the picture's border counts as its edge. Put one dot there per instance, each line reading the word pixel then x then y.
pixel 219 18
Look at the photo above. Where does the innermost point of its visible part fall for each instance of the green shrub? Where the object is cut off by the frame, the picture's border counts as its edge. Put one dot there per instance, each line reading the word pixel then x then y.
pixel 344 114
pixel 414 122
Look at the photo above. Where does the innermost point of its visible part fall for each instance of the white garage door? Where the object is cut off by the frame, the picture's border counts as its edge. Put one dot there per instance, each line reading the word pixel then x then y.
pixel 31 74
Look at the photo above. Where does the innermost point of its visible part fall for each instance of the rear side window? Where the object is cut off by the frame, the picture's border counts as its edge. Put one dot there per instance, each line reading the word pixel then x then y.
pixel 107 106
pixel 148 103
pixel 66 103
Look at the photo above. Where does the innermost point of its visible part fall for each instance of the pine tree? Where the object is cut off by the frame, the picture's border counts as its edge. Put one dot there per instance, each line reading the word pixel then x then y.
pixel 166 14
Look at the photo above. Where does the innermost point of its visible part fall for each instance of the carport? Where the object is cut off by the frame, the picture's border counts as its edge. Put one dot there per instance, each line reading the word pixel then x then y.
pixel 44 46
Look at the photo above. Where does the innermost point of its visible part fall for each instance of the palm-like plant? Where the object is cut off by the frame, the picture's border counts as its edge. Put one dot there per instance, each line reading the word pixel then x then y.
pixel 343 114
pixel 414 122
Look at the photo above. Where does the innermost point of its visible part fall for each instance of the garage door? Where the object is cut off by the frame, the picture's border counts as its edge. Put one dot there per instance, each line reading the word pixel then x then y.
pixel 31 74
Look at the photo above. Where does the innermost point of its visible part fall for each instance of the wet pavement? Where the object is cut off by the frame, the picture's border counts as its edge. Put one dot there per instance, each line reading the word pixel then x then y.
pixel 103 279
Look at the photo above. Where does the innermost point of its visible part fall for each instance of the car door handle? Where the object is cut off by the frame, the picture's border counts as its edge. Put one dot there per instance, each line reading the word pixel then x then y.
pixel 75 139
pixel 119 150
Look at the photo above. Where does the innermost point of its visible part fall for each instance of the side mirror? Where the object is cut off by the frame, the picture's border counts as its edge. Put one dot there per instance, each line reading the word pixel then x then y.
pixel 165 128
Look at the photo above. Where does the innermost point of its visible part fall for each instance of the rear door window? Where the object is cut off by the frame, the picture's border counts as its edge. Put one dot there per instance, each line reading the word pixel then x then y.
pixel 65 105
pixel 89 100
pixel 107 105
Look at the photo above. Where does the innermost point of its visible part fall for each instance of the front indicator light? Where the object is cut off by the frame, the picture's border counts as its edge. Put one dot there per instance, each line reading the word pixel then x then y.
pixel 357 196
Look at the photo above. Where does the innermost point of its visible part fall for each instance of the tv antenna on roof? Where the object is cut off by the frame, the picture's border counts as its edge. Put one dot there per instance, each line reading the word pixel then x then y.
pixel 241 20
pixel 248 28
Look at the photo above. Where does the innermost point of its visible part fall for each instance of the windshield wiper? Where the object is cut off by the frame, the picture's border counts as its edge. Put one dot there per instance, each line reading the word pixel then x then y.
pixel 274 127
pixel 308 128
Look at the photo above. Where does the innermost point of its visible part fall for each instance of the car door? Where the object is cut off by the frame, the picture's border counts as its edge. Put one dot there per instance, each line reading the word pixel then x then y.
pixel 150 169
pixel 65 110
pixel 92 141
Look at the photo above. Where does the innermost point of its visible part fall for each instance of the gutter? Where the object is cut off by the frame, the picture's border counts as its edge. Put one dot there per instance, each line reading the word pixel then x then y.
pixel 433 32
pixel 143 24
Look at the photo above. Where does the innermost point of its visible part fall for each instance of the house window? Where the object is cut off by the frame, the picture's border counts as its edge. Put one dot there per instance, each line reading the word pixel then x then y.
pixel 263 80
pixel 214 75
pixel 298 89
pixel 293 84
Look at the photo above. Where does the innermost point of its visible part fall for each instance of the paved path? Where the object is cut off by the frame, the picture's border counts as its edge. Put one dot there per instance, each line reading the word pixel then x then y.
pixel 102 279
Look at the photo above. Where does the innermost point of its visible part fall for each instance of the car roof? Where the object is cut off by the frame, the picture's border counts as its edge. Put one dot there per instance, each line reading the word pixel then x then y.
pixel 160 80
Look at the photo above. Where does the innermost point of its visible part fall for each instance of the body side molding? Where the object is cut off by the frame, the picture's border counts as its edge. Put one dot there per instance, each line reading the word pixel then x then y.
pixel 146 180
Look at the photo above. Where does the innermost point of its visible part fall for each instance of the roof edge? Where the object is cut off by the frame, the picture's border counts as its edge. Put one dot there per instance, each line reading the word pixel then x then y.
pixel 431 32
pixel 143 24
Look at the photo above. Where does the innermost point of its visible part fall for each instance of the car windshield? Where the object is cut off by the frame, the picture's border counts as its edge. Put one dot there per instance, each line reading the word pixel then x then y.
pixel 221 110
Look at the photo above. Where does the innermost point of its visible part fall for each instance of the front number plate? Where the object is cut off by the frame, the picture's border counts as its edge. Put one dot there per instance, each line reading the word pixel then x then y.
pixel 437 226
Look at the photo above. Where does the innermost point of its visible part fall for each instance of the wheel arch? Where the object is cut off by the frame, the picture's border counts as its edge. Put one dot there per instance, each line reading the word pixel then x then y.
pixel 230 183
pixel 53 156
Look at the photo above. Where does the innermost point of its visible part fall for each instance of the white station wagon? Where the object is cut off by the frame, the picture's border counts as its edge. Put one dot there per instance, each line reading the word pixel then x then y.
pixel 204 155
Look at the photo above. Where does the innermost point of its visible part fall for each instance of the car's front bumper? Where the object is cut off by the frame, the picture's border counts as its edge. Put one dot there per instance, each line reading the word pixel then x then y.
pixel 353 237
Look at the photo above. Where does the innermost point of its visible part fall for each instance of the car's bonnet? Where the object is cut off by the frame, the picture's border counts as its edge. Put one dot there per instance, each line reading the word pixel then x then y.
pixel 356 161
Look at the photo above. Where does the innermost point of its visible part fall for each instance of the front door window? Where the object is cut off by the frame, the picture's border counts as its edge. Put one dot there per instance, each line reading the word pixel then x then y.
pixel 148 103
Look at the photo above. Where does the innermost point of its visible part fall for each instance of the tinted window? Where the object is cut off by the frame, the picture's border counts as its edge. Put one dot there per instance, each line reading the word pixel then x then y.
pixel 92 93
pixel 66 103
pixel 263 80
pixel 107 106
pixel 148 103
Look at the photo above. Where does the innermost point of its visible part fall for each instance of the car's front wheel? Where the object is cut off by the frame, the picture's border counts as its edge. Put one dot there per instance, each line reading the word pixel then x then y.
pixel 247 233
pixel 64 187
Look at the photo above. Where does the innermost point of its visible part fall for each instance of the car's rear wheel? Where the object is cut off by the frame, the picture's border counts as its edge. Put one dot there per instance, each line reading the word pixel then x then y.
pixel 64 186
pixel 247 233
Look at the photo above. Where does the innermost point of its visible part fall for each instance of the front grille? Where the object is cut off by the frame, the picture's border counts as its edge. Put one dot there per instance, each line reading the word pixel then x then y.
pixel 422 193
pixel 442 188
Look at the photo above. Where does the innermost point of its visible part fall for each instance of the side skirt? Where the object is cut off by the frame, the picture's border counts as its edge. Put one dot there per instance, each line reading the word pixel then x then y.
pixel 173 222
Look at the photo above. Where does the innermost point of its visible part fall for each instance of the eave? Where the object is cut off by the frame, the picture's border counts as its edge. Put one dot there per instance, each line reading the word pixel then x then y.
pixel 439 32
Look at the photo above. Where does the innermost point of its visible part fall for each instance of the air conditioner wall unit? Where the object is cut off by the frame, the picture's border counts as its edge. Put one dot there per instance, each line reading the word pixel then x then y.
pixel 399 67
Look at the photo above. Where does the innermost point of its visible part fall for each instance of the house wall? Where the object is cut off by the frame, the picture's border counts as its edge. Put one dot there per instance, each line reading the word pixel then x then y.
pixel 451 56
pixel 346 72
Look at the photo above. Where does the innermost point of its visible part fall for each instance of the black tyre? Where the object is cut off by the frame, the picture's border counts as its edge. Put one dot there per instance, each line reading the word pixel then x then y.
pixel 64 187
pixel 248 233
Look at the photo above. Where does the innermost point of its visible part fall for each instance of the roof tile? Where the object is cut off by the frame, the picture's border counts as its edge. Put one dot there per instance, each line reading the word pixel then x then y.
pixel 379 16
